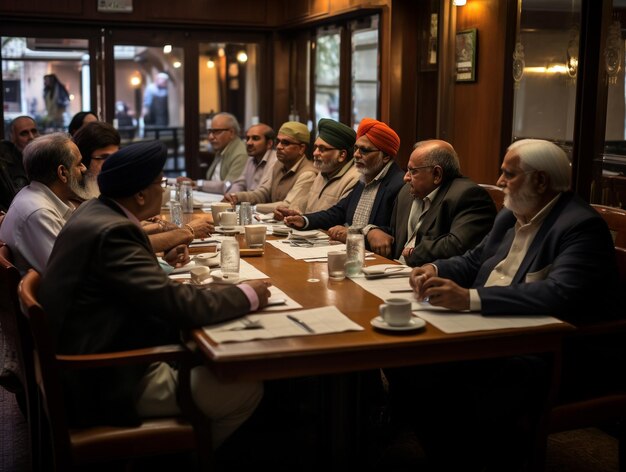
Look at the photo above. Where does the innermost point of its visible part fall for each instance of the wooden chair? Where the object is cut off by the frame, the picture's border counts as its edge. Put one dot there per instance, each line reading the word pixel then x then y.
pixel 106 444
pixel 607 408
pixel 496 193
pixel 20 374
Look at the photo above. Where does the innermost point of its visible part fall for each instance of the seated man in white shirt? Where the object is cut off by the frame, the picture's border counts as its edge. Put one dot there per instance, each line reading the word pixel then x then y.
pixel 54 167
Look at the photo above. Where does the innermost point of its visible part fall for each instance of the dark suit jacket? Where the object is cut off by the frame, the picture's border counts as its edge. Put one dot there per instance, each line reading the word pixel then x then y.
pixel 12 174
pixel 343 212
pixel 461 214
pixel 104 290
pixel 570 267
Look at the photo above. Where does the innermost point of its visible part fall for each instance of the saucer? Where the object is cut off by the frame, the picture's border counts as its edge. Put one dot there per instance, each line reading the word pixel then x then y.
pixel 220 278
pixel 415 323
pixel 227 230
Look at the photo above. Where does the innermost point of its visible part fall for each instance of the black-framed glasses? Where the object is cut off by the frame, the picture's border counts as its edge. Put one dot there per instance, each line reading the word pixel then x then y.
pixel 323 149
pixel 415 170
pixel 216 131
pixel 285 142
pixel 364 151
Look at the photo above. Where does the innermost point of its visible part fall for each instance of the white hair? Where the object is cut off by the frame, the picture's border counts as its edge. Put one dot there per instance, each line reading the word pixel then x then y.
pixel 545 156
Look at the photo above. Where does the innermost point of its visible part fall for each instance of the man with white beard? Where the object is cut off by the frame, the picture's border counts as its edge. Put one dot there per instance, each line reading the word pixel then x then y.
pixel 549 253
pixel 54 167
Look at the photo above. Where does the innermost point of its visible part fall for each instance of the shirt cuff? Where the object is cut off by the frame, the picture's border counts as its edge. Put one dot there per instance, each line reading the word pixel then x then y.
pixel 306 222
pixel 250 295
pixel 366 229
pixel 475 303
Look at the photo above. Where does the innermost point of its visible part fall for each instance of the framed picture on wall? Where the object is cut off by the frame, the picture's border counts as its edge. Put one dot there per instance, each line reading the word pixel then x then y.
pixel 466 48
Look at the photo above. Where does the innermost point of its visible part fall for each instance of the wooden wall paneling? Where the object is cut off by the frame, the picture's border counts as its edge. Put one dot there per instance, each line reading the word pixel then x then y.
pixel 57 8
pixel 281 46
pixel 241 11
pixel 427 82
pixel 404 60
pixel 478 105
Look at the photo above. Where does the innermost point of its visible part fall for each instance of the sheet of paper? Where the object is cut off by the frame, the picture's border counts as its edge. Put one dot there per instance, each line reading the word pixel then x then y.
pixel 321 320
pixel 307 252
pixel 444 319
pixel 206 198
pixel 290 303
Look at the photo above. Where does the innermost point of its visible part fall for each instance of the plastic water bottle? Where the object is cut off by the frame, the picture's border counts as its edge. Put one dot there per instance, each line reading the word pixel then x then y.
pixel 186 197
pixel 355 250
pixel 229 256
pixel 176 213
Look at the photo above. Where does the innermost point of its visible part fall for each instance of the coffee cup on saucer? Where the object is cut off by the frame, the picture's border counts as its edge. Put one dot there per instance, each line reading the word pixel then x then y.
pixel 199 274
pixel 228 219
pixel 396 311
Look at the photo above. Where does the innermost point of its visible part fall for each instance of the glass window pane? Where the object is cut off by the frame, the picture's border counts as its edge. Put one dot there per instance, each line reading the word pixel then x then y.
pixel 149 98
pixel 25 62
pixel 545 69
pixel 364 69
pixel 327 61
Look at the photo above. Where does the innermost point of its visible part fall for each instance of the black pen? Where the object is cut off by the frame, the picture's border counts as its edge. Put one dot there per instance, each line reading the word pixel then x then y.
pixel 301 323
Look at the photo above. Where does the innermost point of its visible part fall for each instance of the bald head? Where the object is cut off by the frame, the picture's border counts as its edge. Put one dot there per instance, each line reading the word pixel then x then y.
pixel 23 130
pixel 437 152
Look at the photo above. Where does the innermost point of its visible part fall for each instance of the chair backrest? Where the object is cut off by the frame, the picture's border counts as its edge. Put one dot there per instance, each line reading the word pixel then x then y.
pixel 616 219
pixel 9 309
pixel 496 193
pixel 46 369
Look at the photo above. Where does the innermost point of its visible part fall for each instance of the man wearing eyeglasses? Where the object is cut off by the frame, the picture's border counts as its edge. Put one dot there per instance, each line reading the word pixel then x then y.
pixel 39 211
pixel 333 158
pixel 291 177
pixel 370 204
pixel 22 130
pixel 438 213
pixel 230 154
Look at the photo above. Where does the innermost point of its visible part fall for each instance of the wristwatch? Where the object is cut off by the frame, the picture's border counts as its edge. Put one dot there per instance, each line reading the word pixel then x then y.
pixel 200 183
pixel 227 185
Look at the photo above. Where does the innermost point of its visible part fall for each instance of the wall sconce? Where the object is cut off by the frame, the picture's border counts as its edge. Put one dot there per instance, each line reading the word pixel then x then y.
pixel 210 63
pixel 167 49
pixel 459 3
pixel 176 64
pixel 613 52
pixel 572 52
pixel 135 80
pixel 242 57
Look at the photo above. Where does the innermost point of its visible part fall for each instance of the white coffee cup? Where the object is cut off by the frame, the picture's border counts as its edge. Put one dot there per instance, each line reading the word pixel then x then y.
pixel 217 208
pixel 337 265
pixel 211 259
pixel 255 235
pixel 228 219
pixel 396 311
pixel 199 274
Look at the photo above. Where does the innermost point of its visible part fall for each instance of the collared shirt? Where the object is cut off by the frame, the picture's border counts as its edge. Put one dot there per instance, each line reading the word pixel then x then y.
pixel 254 173
pixel 504 272
pixel 419 208
pixel 32 224
pixel 366 202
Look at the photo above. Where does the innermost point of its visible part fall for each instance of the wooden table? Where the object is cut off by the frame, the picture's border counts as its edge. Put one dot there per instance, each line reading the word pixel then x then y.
pixel 301 356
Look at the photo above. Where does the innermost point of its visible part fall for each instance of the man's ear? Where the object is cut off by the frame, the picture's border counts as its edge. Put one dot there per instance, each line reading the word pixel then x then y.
pixel 63 174
pixel 343 155
pixel 437 175
pixel 542 181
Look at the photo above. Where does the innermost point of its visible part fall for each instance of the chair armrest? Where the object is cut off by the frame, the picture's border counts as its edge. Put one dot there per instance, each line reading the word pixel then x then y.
pixel 167 353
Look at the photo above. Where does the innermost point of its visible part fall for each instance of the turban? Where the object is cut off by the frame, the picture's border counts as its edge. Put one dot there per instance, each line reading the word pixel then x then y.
pixel 336 134
pixel 296 130
pixel 132 169
pixel 382 136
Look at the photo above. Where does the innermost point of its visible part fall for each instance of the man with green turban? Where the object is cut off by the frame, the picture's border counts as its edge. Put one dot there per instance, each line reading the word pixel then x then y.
pixel 333 158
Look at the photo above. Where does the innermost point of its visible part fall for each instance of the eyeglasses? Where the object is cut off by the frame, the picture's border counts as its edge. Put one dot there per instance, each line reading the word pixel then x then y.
pixel 415 170
pixel 162 182
pixel 508 175
pixel 323 149
pixel 363 150
pixel 215 131
pixel 285 142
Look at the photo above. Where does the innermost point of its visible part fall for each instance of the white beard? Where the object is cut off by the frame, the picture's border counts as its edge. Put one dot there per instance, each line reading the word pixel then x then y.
pixel 523 201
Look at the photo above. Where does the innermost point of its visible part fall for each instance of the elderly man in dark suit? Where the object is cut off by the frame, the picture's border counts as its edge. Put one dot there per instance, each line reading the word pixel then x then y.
pixel 438 213
pixel 104 291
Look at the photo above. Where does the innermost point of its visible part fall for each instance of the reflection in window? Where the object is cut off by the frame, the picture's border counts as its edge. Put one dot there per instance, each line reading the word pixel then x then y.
pixel 25 62
pixel 364 69
pixel 149 98
pixel 327 60
pixel 545 95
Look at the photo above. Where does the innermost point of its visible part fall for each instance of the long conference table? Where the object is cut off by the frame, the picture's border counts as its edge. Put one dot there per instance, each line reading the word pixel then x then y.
pixel 299 356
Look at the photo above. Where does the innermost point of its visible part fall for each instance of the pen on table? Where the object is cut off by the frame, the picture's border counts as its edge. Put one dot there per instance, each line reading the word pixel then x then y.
pixel 301 323
pixel 401 290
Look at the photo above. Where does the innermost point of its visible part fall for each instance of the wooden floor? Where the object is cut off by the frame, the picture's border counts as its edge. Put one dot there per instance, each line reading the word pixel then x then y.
pixel 589 450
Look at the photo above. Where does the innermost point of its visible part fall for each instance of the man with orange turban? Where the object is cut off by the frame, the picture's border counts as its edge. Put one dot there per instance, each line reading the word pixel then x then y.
pixel 370 204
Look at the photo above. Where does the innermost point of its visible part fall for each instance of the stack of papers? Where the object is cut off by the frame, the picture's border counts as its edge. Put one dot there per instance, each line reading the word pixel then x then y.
pixel 313 235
